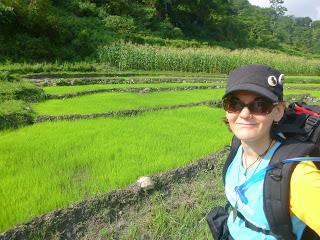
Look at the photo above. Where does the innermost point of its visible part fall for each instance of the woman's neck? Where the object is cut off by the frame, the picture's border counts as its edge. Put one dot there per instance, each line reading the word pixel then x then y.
pixel 256 149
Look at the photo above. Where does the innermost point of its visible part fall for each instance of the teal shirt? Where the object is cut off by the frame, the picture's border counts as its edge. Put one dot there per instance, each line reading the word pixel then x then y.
pixel 253 210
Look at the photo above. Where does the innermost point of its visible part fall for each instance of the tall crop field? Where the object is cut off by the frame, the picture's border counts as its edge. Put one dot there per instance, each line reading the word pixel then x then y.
pixel 211 60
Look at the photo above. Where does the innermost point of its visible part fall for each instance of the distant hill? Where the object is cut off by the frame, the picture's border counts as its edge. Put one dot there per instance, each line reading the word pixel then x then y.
pixel 72 30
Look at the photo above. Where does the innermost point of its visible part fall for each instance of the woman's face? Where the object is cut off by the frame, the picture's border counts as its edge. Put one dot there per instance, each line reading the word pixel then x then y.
pixel 252 127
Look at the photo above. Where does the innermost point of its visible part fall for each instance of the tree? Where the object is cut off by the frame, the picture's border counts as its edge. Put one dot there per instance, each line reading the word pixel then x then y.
pixel 277 7
pixel 278 10
pixel 315 28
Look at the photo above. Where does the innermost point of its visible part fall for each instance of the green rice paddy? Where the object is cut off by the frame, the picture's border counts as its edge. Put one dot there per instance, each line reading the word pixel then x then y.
pixel 53 164
pixel 106 102
pixel 313 93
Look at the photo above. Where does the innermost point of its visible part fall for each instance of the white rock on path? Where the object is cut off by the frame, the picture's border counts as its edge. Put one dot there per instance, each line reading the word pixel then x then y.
pixel 145 183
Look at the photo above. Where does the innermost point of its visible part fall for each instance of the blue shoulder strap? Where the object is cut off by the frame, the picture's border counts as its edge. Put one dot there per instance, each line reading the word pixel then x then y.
pixel 235 143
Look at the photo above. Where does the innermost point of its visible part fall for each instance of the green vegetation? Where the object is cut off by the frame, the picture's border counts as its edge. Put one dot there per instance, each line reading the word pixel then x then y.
pixel 54 164
pixel 15 96
pixel 303 79
pixel 212 60
pixel 20 90
pixel 106 102
pixel 178 213
pixel 73 30
pixel 15 113
pixel 314 93
pixel 57 90
pixel 50 165
pixel 302 85
pixel 46 67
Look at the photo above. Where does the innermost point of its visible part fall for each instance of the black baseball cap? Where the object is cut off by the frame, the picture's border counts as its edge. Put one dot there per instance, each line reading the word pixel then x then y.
pixel 260 79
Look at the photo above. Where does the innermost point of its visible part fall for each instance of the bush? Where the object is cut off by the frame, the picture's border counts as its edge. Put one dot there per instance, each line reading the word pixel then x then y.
pixel 14 97
pixel 6 76
pixel 87 9
pixel 119 24
pixel 6 15
pixel 168 30
pixel 21 90
pixel 15 113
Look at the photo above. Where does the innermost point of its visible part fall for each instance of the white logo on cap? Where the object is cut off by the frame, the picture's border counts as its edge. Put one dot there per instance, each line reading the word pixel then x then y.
pixel 273 81
pixel 281 79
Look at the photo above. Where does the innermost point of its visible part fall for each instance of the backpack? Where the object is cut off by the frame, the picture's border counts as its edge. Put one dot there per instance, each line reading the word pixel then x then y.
pixel 299 132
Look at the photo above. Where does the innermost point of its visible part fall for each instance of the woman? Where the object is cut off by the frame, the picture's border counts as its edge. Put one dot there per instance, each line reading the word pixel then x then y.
pixel 254 104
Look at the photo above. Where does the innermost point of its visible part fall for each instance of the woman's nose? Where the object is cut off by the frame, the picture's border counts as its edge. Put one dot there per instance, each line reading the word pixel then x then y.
pixel 245 113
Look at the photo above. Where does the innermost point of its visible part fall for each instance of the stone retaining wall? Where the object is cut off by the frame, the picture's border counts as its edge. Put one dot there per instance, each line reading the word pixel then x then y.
pixel 139 90
pixel 89 81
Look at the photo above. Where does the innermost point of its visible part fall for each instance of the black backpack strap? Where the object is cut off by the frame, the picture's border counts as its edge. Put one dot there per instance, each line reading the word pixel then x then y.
pixel 235 143
pixel 252 226
pixel 277 187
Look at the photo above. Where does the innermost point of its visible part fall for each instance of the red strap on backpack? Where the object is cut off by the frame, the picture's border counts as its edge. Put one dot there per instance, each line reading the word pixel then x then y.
pixel 300 110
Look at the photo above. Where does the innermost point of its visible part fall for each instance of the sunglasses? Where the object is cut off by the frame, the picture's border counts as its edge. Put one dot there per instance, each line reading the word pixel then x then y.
pixel 260 106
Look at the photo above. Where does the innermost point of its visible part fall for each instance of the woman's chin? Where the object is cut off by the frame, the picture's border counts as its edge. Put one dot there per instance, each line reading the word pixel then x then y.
pixel 247 136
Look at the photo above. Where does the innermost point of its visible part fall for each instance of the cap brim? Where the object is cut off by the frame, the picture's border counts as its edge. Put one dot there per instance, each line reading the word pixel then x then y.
pixel 253 88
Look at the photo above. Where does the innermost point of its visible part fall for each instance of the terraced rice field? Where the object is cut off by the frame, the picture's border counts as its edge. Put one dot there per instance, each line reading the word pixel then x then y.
pixel 54 164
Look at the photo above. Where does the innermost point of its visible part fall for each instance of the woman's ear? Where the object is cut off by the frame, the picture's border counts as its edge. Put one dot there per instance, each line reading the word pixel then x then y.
pixel 279 111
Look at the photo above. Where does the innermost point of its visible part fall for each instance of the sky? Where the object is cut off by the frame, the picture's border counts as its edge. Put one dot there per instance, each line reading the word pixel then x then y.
pixel 298 8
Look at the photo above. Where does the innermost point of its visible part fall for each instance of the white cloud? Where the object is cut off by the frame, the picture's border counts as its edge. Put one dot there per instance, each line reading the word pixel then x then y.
pixel 260 3
pixel 298 8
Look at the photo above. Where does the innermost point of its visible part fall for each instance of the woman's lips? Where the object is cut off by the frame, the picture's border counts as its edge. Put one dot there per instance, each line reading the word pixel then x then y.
pixel 246 124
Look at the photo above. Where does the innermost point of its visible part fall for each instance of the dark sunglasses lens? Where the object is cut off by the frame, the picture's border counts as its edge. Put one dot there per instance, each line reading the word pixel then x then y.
pixel 260 107
pixel 232 105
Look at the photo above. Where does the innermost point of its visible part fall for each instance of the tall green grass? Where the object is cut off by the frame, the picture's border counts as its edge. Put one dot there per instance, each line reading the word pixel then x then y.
pixel 57 90
pixel 106 102
pixel 212 60
pixel 50 165
pixel 45 67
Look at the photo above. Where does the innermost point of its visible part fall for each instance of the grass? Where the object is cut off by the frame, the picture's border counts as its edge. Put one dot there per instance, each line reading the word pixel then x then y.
pixel 302 85
pixel 106 102
pixel 50 165
pixel 302 79
pixel 313 93
pixel 179 214
pixel 211 60
pixel 47 67
pixel 57 90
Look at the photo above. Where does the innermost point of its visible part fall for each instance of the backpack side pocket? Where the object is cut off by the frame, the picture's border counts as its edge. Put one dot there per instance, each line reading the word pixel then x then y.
pixel 217 221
